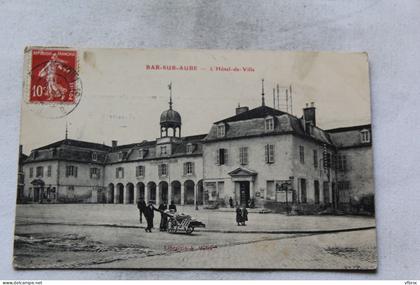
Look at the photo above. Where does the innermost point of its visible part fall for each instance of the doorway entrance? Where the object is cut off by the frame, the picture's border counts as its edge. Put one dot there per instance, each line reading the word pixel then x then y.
pixel 37 194
pixel 244 193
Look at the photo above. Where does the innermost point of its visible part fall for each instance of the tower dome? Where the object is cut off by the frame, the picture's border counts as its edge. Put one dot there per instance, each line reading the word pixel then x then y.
pixel 170 119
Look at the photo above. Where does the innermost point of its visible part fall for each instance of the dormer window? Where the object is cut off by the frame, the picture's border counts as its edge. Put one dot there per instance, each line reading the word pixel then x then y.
pixel 120 155
pixel 269 124
pixel 163 150
pixel 221 131
pixel 365 136
pixel 189 148
pixel 141 153
pixel 94 156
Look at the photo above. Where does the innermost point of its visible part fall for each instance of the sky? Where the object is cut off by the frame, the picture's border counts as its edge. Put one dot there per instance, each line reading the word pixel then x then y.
pixel 122 100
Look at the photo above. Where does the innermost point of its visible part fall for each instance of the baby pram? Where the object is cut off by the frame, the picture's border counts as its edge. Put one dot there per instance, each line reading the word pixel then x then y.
pixel 182 223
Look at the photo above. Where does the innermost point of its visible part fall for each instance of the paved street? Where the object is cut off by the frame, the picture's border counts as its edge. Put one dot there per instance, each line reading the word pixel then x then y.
pixel 108 236
pixel 127 215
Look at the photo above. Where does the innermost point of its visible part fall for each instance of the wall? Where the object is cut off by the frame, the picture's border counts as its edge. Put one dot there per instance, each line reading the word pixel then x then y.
pixel 280 169
pixel 175 171
pixel 83 184
pixel 49 181
pixel 359 171
pixel 307 169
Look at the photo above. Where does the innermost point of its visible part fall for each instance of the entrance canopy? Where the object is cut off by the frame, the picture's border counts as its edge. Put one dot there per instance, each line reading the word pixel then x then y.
pixel 38 182
pixel 241 173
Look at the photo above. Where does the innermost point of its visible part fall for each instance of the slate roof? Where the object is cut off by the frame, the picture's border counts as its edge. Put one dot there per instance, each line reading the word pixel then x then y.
pixel 252 123
pixel 67 153
pixel 349 137
pixel 131 151
pixel 76 143
pixel 259 112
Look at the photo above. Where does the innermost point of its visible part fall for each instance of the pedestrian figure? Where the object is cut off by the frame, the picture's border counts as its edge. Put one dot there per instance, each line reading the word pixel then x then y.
pixel 163 217
pixel 172 207
pixel 231 202
pixel 244 213
pixel 238 216
pixel 149 214
pixel 241 215
pixel 141 205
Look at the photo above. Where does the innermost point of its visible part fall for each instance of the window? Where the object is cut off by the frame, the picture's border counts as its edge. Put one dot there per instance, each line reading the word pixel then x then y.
pixel 343 191
pixel 188 168
pixel 303 196
pixel 163 169
pixel 70 192
pixel 40 171
pixel 119 172
pixel 243 155
pixel 31 172
pixel 343 185
pixel 222 156
pixel 163 150
pixel 221 131
pixel 327 160
pixel 189 148
pixel 269 153
pixel 95 173
pixel 140 171
pixel 326 192
pixel 94 156
pixel 122 155
pixel 141 153
pixel 49 168
pixel 365 136
pixel 269 124
pixel 341 162
pixel 315 158
pixel 71 171
pixel 316 191
pixel 301 154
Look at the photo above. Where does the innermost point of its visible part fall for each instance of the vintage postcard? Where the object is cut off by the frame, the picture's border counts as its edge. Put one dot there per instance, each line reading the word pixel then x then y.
pixel 195 159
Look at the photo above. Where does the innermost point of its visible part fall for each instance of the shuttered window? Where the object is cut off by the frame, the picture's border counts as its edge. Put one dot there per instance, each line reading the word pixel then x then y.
pixel 40 171
pixel 315 158
pixel 301 154
pixel 163 169
pixel 119 172
pixel 221 156
pixel 95 173
pixel 269 153
pixel 71 170
pixel 140 171
pixel 243 155
pixel 341 162
pixel 188 168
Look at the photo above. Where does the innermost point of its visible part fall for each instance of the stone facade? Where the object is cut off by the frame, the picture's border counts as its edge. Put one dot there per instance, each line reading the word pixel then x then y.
pixel 257 157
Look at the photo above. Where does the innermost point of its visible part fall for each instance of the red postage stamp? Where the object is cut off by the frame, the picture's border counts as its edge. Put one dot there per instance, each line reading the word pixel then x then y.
pixel 53 76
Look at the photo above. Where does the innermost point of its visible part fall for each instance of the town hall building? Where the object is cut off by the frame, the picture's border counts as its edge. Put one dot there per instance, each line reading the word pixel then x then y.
pixel 259 157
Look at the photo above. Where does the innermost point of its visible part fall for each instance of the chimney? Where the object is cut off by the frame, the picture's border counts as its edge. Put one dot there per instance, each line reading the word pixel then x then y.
pixel 309 115
pixel 20 149
pixel 240 110
pixel 114 144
